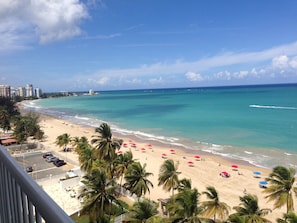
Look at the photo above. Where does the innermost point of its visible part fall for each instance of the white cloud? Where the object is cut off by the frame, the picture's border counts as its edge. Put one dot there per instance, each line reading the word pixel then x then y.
pixel 192 76
pixel 280 61
pixel 241 74
pixel 156 80
pixel 102 80
pixel 293 63
pixel 47 20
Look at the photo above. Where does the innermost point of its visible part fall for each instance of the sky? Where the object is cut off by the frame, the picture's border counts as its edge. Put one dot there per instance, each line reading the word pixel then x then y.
pixel 77 45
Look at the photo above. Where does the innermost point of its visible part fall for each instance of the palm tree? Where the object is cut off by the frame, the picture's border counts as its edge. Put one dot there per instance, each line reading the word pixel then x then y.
pixel 184 184
pixel 105 145
pixel 141 211
pixel 290 217
pixel 136 179
pixel 21 128
pixel 79 143
pixel 214 207
pixel 282 187
pixel 168 175
pixel 63 140
pixel 4 120
pixel 86 158
pixel 122 163
pixel 99 196
pixel 248 211
pixel 183 207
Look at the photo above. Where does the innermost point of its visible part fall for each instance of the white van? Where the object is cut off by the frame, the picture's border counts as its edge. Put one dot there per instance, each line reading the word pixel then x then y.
pixel 74 172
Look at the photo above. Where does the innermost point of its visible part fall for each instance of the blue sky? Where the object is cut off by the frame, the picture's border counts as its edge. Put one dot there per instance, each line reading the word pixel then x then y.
pixel 134 44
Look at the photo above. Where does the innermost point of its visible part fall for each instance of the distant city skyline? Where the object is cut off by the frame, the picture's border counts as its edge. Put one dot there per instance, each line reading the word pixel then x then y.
pixel 79 45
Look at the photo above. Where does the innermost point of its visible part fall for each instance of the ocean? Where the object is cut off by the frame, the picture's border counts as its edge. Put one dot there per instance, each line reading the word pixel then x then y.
pixel 257 124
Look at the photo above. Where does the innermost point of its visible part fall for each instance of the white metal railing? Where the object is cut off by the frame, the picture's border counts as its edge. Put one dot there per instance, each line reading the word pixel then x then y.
pixel 22 200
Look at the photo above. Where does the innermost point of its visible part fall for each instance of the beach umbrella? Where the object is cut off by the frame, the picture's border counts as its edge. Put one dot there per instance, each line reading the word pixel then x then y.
pixel 149 145
pixel 234 167
pixel 197 157
pixel 133 145
pixel 172 151
pixel 257 173
pixel 143 149
pixel 120 152
pixel 224 174
pixel 263 184
pixel 125 145
pixel 190 163
pixel 164 155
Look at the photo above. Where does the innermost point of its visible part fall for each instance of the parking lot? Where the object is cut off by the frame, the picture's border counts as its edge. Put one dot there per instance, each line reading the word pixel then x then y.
pixel 41 168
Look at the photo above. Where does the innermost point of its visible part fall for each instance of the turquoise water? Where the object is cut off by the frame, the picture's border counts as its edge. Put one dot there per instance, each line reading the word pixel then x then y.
pixel 255 123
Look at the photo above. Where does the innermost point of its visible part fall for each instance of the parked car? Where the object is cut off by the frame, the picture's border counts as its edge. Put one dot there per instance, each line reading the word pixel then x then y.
pixel 51 159
pixel 29 169
pixel 47 154
pixel 59 163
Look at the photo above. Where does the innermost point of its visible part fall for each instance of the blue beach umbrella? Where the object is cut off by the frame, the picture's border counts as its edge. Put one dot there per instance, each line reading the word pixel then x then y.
pixel 263 184
pixel 257 174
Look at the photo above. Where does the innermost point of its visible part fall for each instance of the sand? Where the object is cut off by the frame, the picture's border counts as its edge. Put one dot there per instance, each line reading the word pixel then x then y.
pixel 203 173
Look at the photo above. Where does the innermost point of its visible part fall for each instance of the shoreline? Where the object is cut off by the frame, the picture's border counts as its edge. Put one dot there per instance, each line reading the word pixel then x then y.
pixel 205 172
pixel 261 157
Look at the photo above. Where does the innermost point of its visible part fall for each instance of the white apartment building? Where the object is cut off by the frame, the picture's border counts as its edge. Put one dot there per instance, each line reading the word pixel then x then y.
pixel 5 91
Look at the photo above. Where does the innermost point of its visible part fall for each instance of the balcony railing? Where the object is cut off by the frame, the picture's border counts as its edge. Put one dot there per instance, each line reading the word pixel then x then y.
pixel 22 200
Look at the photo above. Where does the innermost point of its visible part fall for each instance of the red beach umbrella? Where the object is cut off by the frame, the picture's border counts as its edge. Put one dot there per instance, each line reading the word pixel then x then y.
pixel 143 149
pixel 120 152
pixel 164 155
pixel 133 145
pixel 149 145
pixel 234 167
pixel 125 144
pixel 190 163
pixel 197 157
pixel 172 151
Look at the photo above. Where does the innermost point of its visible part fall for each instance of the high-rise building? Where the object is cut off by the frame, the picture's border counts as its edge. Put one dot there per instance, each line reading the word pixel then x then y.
pixel 21 91
pixel 5 91
pixel 38 92
pixel 29 90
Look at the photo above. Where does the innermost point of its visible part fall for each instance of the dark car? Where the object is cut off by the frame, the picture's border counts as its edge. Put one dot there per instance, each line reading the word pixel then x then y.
pixel 29 169
pixel 47 154
pixel 50 159
pixel 59 163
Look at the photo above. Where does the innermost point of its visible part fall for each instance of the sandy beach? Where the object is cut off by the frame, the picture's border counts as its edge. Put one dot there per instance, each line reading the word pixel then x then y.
pixel 203 172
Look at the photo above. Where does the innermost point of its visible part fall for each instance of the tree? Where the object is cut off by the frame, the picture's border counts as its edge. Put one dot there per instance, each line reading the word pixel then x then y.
pixel 98 196
pixel 86 158
pixel 63 140
pixel 214 207
pixel 184 184
pixel 105 145
pixel 122 163
pixel 281 187
pixel 4 120
pixel 136 179
pixel 79 143
pixel 183 207
pixel 141 211
pixel 25 126
pixel 248 211
pixel 290 217
pixel 168 175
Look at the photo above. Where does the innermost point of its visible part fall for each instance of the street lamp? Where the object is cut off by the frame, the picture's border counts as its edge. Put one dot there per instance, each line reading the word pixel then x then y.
pixel 35 170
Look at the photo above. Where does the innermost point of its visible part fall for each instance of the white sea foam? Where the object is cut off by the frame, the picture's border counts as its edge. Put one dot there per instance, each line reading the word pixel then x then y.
pixel 272 107
pixel 288 154
pixel 248 152
pixel 80 117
